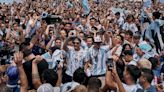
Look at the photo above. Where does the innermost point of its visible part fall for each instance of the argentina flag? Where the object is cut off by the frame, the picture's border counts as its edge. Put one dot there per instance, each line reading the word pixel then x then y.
pixel 85 6
pixel 147 3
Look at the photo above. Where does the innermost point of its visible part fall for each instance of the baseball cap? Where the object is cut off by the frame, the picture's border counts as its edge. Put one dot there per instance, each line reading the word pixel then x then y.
pixel 145 47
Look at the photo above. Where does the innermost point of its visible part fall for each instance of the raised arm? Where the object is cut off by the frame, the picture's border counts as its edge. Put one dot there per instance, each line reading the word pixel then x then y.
pixel 3 68
pixel 35 74
pixel 18 57
pixel 34 22
pixel 50 42
pixel 33 41
pixel 59 72
pixel 8 33
pixel 148 14
pixel 117 79
pixel 47 29
pixel 22 36
pixel 110 84
pixel 65 45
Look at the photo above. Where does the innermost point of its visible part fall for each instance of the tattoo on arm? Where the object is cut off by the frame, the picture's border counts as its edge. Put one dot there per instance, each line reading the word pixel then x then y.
pixel 35 76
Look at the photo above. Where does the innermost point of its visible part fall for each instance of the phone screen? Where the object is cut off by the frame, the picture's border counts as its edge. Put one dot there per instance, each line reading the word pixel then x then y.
pixel 110 63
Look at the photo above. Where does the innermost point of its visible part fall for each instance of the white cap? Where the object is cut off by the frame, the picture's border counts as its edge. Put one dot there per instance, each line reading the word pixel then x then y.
pixel 145 47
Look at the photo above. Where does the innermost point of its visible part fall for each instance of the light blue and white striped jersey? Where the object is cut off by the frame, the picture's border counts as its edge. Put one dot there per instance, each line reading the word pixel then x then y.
pixel 132 27
pixel 98 59
pixel 75 59
pixel 57 56
pixel 52 59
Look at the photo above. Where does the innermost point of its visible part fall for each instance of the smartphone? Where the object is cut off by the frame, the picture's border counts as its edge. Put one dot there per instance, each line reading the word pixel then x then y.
pixel 110 63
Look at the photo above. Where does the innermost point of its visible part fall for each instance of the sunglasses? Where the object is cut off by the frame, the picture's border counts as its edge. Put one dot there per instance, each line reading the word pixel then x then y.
pixel 76 43
pixel 51 33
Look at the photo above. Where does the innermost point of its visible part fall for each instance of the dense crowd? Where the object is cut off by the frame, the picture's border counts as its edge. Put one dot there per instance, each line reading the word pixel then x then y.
pixel 82 46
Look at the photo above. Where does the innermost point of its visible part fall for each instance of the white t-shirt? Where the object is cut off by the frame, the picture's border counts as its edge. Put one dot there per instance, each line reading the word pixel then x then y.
pixel 120 21
pixel 56 89
pixel 130 88
pixel 68 87
pixel 48 88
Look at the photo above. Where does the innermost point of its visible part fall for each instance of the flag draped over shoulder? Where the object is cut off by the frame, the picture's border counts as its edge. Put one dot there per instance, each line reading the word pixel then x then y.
pixel 85 6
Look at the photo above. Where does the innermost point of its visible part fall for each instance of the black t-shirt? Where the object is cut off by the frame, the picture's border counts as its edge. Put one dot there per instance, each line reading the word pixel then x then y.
pixel 36 50
pixel 43 65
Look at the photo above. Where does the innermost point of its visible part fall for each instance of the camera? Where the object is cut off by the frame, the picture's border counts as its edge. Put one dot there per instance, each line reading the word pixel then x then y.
pixel 51 19
pixel 110 63
pixel 72 33
pixel 44 15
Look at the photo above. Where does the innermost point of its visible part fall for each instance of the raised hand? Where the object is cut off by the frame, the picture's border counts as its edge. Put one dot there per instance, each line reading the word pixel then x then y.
pixel 53 38
pixel 114 71
pixel 37 59
pixel 18 57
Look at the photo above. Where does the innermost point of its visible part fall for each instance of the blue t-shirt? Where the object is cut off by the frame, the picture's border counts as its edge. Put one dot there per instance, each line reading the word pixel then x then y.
pixel 157 72
pixel 151 89
pixel 14 89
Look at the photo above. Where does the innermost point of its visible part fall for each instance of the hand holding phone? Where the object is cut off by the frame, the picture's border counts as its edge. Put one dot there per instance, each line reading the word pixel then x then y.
pixel 110 64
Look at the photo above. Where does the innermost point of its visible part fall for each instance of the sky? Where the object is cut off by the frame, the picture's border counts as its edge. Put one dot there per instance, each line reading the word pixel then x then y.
pixel 9 1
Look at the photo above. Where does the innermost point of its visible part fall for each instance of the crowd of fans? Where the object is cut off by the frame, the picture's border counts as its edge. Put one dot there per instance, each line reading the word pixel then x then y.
pixel 56 46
